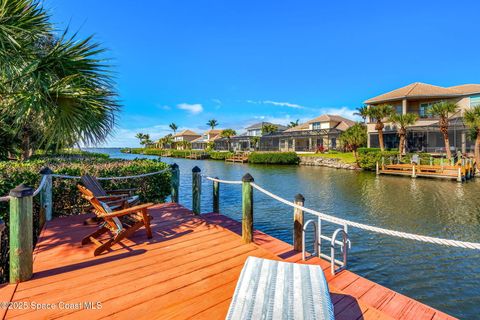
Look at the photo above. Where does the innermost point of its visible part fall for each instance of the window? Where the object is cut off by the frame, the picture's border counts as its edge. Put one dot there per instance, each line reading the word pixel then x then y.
pixel 320 125
pixel 424 107
pixel 399 109
pixel 475 100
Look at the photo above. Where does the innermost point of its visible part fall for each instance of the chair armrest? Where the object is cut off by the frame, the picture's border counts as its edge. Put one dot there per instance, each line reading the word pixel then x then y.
pixel 121 191
pixel 112 198
pixel 127 211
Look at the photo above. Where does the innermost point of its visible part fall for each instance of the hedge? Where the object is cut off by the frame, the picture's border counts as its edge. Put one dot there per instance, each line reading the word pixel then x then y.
pixel 274 158
pixel 220 155
pixel 66 199
pixel 369 157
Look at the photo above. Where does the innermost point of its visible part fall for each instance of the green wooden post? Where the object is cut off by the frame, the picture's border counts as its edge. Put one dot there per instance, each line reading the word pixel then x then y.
pixel 216 196
pixel 46 197
pixel 196 189
pixel 21 234
pixel 298 223
pixel 247 208
pixel 175 182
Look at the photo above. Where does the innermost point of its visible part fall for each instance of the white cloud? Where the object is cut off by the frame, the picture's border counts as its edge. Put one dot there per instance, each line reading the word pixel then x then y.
pixel 195 108
pixel 278 104
pixel 343 111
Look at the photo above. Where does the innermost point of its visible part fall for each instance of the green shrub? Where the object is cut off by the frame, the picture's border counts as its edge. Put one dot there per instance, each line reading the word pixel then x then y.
pixel 66 199
pixel 367 150
pixel 368 158
pixel 274 157
pixel 220 155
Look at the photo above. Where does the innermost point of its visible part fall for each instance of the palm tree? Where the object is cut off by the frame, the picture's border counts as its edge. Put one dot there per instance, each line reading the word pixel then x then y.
pixel 293 124
pixel 212 123
pixel 362 112
pixel 55 91
pixel 174 127
pixel 377 114
pixel 140 136
pixel 254 142
pixel 268 128
pixel 443 110
pixel 472 119
pixel 354 138
pixel 228 134
pixel 402 121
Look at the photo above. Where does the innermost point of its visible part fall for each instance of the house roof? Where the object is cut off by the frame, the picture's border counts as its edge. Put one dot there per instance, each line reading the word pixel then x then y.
pixel 424 90
pixel 186 133
pixel 467 88
pixel 325 118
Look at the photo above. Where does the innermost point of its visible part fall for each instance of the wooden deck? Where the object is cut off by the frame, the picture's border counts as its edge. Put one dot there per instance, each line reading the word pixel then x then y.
pixel 188 270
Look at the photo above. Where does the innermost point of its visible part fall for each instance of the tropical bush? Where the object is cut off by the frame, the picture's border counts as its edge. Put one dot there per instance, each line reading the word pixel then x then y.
pixel 368 157
pixel 274 158
pixel 219 155
pixel 66 199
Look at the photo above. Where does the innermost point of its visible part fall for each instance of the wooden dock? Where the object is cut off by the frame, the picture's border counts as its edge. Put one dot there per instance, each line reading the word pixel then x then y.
pixel 198 155
pixel 453 172
pixel 241 157
pixel 188 270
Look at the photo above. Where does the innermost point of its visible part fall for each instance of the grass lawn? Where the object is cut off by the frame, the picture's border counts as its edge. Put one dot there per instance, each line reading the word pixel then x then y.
pixel 346 157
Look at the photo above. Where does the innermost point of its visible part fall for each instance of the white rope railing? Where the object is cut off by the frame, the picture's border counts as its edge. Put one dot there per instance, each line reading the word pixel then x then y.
pixel 40 187
pixel 405 235
pixel 223 181
pixel 62 176
pixel 5 199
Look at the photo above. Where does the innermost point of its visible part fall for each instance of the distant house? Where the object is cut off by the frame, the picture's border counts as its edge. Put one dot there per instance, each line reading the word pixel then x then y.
pixel 425 135
pixel 185 135
pixel 202 142
pixel 317 134
pixel 244 141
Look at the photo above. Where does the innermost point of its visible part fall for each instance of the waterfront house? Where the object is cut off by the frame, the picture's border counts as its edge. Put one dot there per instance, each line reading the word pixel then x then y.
pixel 185 135
pixel 424 135
pixel 321 133
pixel 207 137
pixel 246 141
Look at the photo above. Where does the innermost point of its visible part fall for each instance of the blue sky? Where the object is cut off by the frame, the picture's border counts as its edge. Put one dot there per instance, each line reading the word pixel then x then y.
pixel 242 62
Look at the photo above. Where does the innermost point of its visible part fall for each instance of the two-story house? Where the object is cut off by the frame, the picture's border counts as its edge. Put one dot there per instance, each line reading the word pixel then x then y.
pixel 321 133
pixel 185 135
pixel 202 142
pixel 424 135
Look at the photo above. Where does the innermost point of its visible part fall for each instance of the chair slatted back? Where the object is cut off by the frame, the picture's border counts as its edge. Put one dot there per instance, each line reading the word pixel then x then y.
pixel 98 207
pixel 92 184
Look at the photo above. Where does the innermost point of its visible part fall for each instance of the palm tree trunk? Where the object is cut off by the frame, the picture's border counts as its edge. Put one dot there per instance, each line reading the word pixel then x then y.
pixel 380 140
pixel 26 150
pixel 401 146
pixel 355 154
pixel 447 146
pixel 477 150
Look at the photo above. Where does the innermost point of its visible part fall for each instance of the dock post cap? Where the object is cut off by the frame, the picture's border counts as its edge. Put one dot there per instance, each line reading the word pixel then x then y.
pixel 196 169
pixel 20 191
pixel 46 170
pixel 174 166
pixel 299 197
pixel 247 178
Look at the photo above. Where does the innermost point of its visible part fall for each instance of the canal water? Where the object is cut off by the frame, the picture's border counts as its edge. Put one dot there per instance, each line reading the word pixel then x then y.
pixel 445 278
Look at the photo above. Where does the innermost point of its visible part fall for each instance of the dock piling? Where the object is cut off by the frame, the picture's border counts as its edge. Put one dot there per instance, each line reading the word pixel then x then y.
pixel 216 196
pixel 298 222
pixel 46 197
pixel 21 233
pixel 247 208
pixel 196 189
pixel 175 182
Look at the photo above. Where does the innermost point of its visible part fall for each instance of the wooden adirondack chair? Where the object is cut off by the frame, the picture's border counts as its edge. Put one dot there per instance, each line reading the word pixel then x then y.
pixel 120 223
